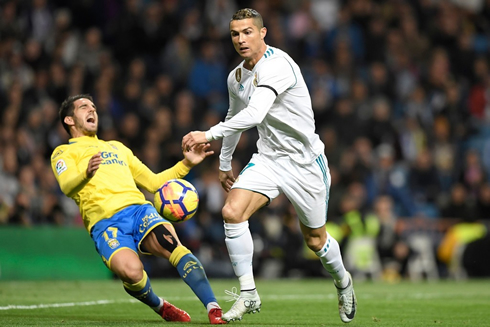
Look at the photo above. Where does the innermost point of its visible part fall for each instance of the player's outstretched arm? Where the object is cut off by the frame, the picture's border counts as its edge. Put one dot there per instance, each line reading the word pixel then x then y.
pixel 196 154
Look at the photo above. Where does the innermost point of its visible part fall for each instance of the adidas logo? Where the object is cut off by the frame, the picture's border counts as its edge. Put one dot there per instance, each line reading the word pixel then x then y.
pixel 241 88
pixel 190 264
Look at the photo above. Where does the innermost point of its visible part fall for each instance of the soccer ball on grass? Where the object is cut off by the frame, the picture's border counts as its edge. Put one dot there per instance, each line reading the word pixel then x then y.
pixel 177 200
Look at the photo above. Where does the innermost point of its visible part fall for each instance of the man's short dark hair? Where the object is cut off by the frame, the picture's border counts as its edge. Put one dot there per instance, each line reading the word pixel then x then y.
pixel 249 13
pixel 67 108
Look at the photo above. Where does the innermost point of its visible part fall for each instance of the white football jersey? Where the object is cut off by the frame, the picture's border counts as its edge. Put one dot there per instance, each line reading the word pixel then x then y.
pixel 273 96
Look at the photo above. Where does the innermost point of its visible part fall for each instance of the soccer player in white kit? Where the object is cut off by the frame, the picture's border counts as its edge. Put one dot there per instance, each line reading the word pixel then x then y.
pixel 267 91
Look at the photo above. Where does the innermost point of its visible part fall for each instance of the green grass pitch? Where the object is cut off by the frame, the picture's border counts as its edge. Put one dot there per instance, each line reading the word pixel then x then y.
pixel 309 302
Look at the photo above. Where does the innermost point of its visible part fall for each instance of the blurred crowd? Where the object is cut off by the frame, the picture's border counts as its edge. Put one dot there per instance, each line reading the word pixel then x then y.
pixel 400 91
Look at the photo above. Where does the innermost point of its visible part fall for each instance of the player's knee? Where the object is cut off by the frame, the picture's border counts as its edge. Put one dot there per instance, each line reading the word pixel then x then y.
pixel 313 242
pixel 231 215
pixel 131 272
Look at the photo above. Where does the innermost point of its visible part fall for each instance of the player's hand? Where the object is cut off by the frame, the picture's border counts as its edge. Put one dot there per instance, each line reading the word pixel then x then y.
pixel 193 138
pixel 227 179
pixel 197 154
pixel 94 164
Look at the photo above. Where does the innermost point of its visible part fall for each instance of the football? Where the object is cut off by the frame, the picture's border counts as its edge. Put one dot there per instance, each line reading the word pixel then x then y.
pixel 176 200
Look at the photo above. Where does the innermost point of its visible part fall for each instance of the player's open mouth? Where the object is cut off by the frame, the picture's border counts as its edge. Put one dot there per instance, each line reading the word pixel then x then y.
pixel 91 120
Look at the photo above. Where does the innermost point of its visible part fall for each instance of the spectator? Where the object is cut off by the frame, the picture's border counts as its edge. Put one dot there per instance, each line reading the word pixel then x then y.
pixel 208 75
pixel 39 20
pixel 483 203
pixel 472 174
pixel 9 184
pixel 393 250
pixel 425 184
pixel 90 50
pixel 379 129
pixel 390 178
pixel 459 206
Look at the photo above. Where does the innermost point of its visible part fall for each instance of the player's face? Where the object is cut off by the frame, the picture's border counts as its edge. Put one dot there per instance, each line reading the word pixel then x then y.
pixel 248 39
pixel 85 118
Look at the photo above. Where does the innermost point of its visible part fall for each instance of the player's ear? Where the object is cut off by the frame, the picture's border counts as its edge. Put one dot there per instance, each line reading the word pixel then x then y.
pixel 263 32
pixel 69 120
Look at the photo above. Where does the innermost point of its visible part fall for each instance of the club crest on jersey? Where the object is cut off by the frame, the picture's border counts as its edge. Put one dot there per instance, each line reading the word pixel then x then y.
pixel 60 166
pixel 256 80
pixel 238 75
pixel 113 243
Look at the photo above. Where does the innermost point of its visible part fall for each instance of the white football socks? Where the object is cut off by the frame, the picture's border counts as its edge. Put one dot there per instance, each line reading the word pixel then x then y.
pixel 240 248
pixel 332 261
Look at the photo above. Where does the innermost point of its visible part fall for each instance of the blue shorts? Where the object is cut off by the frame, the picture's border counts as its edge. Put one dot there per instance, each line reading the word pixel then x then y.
pixel 125 230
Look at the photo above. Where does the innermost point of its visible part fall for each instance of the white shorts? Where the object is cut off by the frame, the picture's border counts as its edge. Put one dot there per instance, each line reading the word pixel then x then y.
pixel 306 186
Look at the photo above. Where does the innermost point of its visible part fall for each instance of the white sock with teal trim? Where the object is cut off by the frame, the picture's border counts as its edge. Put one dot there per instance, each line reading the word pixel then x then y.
pixel 332 261
pixel 240 248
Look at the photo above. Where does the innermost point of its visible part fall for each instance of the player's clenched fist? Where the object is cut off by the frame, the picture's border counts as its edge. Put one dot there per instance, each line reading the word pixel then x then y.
pixel 93 164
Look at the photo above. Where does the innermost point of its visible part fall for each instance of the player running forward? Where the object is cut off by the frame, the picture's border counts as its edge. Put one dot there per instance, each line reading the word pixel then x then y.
pixel 102 177
pixel 267 91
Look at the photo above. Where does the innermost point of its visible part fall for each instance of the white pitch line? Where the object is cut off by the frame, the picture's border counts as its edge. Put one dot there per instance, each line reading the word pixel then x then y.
pixel 173 298
pixel 329 296
pixel 55 305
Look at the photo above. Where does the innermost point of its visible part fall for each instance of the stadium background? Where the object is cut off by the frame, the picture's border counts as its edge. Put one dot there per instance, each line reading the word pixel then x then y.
pixel 400 91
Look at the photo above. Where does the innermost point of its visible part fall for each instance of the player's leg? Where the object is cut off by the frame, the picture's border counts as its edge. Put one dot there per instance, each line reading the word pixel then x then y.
pixel 115 243
pixel 162 241
pixel 307 187
pixel 239 206
pixel 128 267
pixel 254 189
pixel 328 250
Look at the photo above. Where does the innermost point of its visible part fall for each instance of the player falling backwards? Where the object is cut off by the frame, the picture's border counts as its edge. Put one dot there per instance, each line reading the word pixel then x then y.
pixel 103 178
pixel 267 91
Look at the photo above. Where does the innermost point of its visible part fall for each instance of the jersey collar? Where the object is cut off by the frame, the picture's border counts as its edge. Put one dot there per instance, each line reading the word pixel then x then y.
pixel 83 139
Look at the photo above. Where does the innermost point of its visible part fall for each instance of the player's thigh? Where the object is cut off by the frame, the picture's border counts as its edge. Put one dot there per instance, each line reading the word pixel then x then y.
pixel 241 204
pixel 111 236
pixel 151 231
pixel 256 186
pixel 307 188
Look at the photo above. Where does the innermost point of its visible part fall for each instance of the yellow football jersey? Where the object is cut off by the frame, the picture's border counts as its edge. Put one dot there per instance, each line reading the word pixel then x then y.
pixel 114 185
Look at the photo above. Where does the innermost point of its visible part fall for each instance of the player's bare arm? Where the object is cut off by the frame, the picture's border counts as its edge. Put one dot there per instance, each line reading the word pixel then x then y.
pixel 193 138
pixel 94 164
pixel 227 179
pixel 196 154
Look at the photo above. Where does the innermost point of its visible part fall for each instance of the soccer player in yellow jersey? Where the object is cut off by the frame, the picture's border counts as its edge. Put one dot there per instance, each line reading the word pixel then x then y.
pixel 103 179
